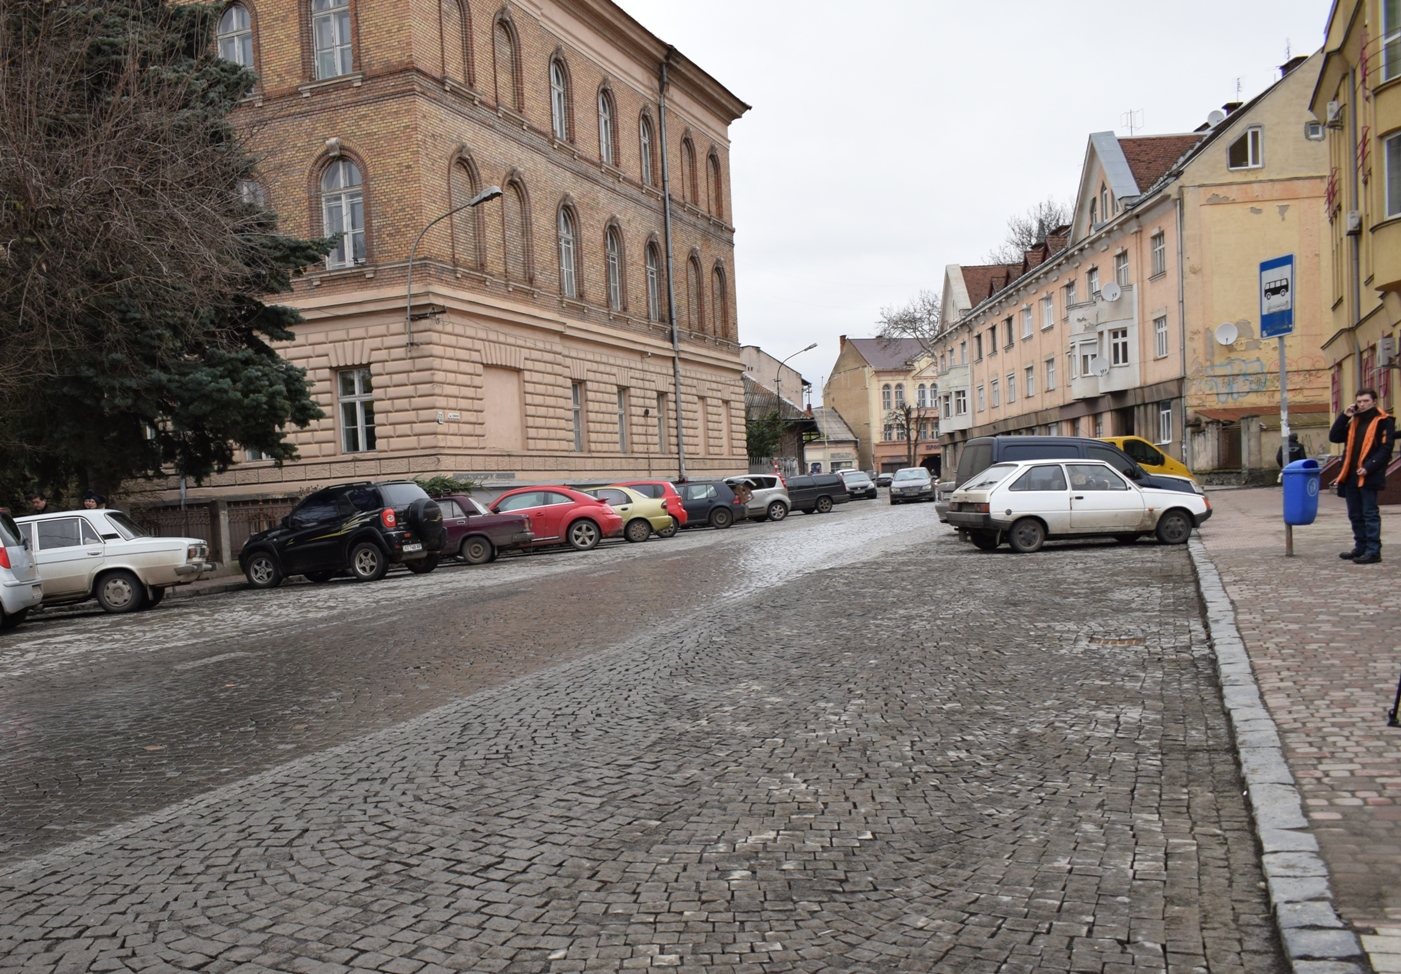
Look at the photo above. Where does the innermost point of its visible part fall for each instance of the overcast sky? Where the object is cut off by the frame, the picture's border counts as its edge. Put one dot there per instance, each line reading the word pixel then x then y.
pixel 888 139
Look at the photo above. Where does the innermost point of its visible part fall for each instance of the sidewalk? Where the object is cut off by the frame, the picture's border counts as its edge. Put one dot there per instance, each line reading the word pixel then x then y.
pixel 1319 635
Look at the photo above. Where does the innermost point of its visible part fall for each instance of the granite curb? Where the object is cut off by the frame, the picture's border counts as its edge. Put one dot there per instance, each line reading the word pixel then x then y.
pixel 1313 936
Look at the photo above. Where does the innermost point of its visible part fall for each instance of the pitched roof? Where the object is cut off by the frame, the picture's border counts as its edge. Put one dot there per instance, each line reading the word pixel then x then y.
pixel 984 280
pixel 1150 156
pixel 887 353
pixel 831 424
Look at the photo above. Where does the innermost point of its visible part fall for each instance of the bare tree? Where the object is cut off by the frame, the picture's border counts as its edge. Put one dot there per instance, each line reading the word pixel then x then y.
pixel 920 319
pixel 1029 229
pixel 908 420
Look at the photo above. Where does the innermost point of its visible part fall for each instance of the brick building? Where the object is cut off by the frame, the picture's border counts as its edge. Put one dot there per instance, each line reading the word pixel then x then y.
pixel 539 346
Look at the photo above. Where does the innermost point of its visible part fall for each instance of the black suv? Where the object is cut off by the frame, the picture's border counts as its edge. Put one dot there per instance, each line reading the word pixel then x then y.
pixel 357 528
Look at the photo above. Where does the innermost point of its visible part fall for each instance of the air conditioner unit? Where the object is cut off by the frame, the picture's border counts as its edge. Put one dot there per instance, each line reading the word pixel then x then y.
pixel 1335 114
pixel 1354 222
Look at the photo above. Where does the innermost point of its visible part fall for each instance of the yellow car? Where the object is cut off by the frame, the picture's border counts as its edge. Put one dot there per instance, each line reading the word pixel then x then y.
pixel 641 514
pixel 1148 456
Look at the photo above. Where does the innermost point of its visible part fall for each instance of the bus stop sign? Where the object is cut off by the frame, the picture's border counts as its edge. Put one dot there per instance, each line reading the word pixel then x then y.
pixel 1277 297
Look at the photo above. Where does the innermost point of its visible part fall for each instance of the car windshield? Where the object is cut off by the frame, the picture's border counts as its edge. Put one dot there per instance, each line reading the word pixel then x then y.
pixel 400 496
pixel 912 473
pixel 125 526
pixel 856 478
pixel 990 477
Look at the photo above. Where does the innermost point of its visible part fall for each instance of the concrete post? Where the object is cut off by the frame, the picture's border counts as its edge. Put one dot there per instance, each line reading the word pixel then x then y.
pixel 219 538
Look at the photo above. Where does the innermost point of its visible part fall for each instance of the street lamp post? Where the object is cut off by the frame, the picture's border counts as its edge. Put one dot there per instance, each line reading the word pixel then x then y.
pixel 490 193
pixel 778 378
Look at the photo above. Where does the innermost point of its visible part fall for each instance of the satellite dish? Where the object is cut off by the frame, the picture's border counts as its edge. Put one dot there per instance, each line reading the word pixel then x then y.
pixel 1111 291
pixel 1215 118
pixel 1227 333
pixel 1099 365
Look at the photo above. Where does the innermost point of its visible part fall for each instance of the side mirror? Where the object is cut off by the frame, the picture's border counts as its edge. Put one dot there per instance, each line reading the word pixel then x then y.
pixel 286 520
pixel 1135 473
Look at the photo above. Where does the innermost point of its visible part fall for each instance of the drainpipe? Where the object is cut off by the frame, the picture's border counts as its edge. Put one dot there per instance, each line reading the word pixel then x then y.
pixel 1356 247
pixel 1182 331
pixel 670 285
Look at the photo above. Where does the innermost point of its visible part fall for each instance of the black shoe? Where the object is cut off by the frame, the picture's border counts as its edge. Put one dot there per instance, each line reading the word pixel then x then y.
pixel 1369 558
pixel 1350 555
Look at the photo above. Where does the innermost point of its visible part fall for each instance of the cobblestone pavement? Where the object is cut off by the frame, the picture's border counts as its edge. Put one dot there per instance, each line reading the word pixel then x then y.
pixel 1321 635
pixel 909 755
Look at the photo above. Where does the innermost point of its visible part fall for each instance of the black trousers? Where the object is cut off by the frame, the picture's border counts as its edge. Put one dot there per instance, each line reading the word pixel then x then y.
pixel 1365 516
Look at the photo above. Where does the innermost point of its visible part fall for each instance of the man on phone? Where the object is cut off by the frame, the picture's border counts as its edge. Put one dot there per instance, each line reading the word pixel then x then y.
pixel 1370 435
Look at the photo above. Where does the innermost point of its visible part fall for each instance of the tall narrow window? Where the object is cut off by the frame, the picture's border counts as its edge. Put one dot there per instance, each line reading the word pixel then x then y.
pixel 1026 322
pixel 712 186
pixel 1103 202
pixel 1160 337
pixel 719 303
pixel 559 102
pixel 996 392
pixel 1069 294
pixel 1391 149
pixel 1121 268
pixel 644 145
pixel 1165 421
pixel 330 27
pixel 236 36
pixel 1011 387
pixel 1119 346
pixel 516 226
pixel 457 41
pixel 899 395
pixel 1092 281
pixel 356 392
pixel 343 213
pixel 688 172
pixel 695 311
pixel 576 395
pixel 661 422
pixel 614 250
pixel 885 399
pixel 466 223
pixel 1030 380
pixel 622 421
pixel 1244 152
pixel 504 49
pixel 1048 311
pixel 568 284
pixel 922 396
pixel 605 127
pixel 1391 39
pixel 1158 242
pixel 654 284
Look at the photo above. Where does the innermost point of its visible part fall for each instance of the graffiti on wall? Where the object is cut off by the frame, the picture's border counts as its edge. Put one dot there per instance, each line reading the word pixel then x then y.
pixel 1234 378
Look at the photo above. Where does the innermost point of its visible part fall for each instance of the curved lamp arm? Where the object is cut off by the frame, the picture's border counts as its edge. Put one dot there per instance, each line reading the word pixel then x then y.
pixel 490 193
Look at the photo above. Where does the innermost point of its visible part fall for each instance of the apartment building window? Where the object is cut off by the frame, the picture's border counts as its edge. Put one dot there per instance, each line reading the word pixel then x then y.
pixel 899 395
pixel 1391 150
pixel 888 433
pixel 1069 294
pixel 343 213
pixel 977 348
pixel 605 127
pixel 1158 244
pixel 1160 337
pixel 1121 268
pixel 982 403
pixel 567 282
pixel 654 289
pixel 960 402
pixel 992 340
pixel 1099 426
pixel 1092 282
pixel 1030 381
pixel 356 392
pixel 948 405
pixel 943 367
pixel 1048 311
pixel 576 395
pixel 1026 322
pixel 1119 346
pixel 559 102
pixel 1391 39
pixel 1050 374
pixel 235 34
pixel 661 423
pixel 1088 352
pixel 644 145
pixel 1165 422
pixel 622 420
pixel 922 396
pixel 330 29
pixel 1244 152
pixel 1011 387
pixel 613 256
pixel 996 393
pixel 1007 328
pixel 885 400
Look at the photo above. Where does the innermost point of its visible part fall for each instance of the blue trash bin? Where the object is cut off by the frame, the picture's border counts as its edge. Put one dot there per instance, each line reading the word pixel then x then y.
pixel 1301 492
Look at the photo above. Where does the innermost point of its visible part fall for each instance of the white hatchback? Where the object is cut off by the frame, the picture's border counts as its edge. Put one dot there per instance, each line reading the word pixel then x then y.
pixel 20 586
pixel 104 554
pixel 1027 502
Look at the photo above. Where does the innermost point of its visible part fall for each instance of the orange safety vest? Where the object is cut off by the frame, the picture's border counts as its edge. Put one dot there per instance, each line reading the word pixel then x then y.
pixel 1367 439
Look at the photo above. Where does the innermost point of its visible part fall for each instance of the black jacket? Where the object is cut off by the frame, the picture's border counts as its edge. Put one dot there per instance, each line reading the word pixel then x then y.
pixel 1375 450
pixel 1296 452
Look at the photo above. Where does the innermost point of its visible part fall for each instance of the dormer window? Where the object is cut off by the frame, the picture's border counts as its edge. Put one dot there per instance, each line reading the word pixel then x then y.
pixel 1244 152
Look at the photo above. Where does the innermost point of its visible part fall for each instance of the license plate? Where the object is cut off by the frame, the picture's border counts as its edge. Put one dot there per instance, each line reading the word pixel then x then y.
pixel 413 547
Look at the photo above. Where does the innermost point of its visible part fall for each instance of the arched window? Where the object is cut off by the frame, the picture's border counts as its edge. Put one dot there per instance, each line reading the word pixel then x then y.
pixel 235 35
pixel 516 214
pixel 654 284
pixel 613 249
pixel 922 396
pixel 506 68
pixel 712 187
pixel 688 172
pixel 899 395
pixel 330 29
pixel 1103 202
pixel 719 303
pixel 457 41
pixel 885 397
pixel 343 213
pixel 605 128
pixel 695 309
pixel 1094 212
pixel 568 279
pixel 644 144
pixel 559 101
pixel 467 225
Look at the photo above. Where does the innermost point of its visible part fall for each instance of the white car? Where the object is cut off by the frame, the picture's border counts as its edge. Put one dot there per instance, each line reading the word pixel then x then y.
pixel 104 554
pixel 20 586
pixel 1026 502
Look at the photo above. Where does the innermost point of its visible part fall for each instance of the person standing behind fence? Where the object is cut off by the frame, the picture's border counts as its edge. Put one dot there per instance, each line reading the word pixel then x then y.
pixel 1370 435
pixel 1296 451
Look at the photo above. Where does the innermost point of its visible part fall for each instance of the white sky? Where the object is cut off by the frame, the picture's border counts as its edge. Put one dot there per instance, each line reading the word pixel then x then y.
pixel 890 138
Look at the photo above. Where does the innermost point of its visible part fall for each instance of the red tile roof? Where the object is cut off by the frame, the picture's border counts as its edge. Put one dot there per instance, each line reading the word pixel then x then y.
pixel 985 280
pixel 1150 156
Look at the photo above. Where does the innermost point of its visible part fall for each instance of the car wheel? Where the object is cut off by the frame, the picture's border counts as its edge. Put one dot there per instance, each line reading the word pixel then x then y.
pixel 1027 535
pixel 367 562
pixel 984 540
pixel 320 578
pixel 637 530
pixel 153 598
pixel 670 530
pixel 583 534
pixel 8 620
pixel 777 511
pixel 1174 527
pixel 721 518
pixel 121 591
pixel 424 565
pixel 476 551
pixel 261 571
pixel 824 505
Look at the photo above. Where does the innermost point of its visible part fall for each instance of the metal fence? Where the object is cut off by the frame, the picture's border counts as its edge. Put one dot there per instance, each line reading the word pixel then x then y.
pixel 173 522
pixel 249 517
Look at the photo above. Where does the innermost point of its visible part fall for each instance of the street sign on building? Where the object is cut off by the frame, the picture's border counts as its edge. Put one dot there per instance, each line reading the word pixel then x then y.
pixel 1277 297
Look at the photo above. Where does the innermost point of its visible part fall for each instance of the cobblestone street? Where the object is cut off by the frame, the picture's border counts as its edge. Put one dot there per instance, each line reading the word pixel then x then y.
pixel 838 743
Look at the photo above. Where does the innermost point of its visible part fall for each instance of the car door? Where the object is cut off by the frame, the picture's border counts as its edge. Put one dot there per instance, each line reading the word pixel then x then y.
pixel 70 553
pixel 1102 501
pixel 616 499
pixel 531 504
pixel 1041 491
pixel 454 522
pixel 314 541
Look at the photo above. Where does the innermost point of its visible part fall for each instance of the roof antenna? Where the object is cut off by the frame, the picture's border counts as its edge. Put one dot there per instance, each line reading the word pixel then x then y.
pixel 1238 89
pixel 1288 51
pixel 1131 120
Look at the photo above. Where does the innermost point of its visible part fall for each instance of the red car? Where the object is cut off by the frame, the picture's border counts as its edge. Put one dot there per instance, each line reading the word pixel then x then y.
pixel 561 515
pixel 663 489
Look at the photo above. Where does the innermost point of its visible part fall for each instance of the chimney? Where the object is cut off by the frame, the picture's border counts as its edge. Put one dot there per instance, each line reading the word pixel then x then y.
pixel 1291 64
pixel 1230 107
